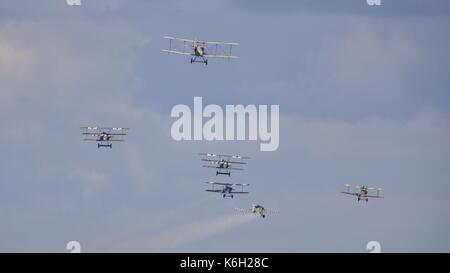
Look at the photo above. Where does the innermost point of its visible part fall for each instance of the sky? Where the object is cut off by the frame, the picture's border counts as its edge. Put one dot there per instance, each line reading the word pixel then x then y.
pixel 364 98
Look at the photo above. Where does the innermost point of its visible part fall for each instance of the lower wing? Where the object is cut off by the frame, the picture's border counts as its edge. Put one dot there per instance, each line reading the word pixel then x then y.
pixel 221 56
pixel 248 211
pixel 350 193
pixel 220 191
pixel 374 196
pixel 178 52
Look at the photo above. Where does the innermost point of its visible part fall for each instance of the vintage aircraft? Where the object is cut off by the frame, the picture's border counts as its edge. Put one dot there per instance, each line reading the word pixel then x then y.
pixel 363 193
pixel 257 210
pixel 104 135
pixel 223 163
pixel 200 49
pixel 226 189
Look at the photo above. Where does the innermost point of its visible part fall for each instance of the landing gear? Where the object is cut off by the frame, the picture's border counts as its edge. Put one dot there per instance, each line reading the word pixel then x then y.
pixel 224 196
pixel 194 60
pixel 223 173
pixel 231 196
pixel 104 145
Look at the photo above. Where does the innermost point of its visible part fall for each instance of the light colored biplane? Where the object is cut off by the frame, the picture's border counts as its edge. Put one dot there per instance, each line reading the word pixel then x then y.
pixel 200 51
pixel 104 135
pixel 362 192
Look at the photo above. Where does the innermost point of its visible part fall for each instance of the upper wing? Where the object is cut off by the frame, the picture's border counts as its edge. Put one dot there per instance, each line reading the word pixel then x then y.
pixel 354 186
pixel 109 134
pixel 241 184
pixel 114 128
pixel 179 39
pixel 222 155
pixel 222 43
pixel 104 128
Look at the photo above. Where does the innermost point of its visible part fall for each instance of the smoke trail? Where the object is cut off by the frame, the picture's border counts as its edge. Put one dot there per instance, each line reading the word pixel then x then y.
pixel 185 233
pixel 197 230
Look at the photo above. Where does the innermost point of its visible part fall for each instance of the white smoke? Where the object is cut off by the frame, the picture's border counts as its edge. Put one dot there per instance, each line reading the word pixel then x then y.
pixel 186 233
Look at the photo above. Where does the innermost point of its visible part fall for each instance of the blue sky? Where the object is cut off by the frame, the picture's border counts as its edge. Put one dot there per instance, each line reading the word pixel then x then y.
pixel 363 95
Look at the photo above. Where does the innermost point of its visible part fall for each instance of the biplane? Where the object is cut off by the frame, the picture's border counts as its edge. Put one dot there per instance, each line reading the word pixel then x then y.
pixel 257 210
pixel 362 192
pixel 223 163
pixel 104 136
pixel 200 51
pixel 226 189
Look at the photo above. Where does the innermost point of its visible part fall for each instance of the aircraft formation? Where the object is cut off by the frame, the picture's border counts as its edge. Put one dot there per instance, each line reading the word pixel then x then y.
pixel 199 52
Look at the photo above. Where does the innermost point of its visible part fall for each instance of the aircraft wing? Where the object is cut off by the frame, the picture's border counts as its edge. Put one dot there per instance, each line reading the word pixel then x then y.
pixel 237 162
pixel 232 168
pixel 114 128
pixel 90 139
pixel 210 160
pixel 374 196
pixel 217 162
pixel 354 186
pixel 223 155
pixel 217 167
pixel 179 39
pixel 237 192
pixel 222 43
pixel 241 184
pixel 116 134
pixel 220 191
pixel 109 134
pixel 350 193
pixel 210 166
pixel 240 210
pixel 217 183
pixel 178 52
pixel 116 140
pixel 221 56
